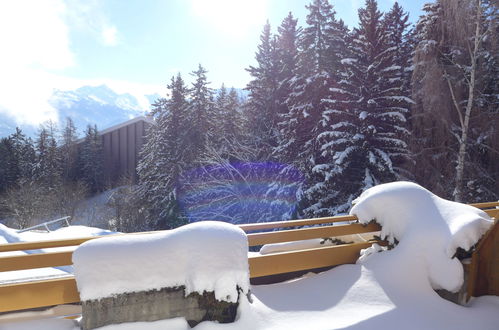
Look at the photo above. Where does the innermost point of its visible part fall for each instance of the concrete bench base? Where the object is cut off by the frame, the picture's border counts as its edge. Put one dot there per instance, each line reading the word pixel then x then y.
pixel 156 305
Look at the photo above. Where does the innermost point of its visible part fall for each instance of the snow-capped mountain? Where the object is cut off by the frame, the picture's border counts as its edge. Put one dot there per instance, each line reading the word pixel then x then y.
pixel 88 105
pixel 98 105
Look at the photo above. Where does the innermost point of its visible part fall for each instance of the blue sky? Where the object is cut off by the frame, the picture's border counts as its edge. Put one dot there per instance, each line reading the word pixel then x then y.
pixel 134 46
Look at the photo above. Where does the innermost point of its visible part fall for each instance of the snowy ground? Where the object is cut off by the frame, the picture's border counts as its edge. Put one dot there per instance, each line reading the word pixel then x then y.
pixel 389 289
pixel 347 297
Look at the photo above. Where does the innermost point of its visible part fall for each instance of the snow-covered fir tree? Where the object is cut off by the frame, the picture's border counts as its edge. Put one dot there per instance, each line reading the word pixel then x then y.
pixel 47 171
pixel 201 114
pixel 322 46
pixel 366 140
pixel 9 170
pixel 91 160
pixel 261 110
pixel 17 158
pixel 287 53
pixel 401 37
pixel 164 156
pixel 69 151
pixel 229 121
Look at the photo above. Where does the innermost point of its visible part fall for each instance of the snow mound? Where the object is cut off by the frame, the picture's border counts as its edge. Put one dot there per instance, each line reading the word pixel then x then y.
pixel 203 256
pixel 428 227
pixel 11 235
pixel 293 246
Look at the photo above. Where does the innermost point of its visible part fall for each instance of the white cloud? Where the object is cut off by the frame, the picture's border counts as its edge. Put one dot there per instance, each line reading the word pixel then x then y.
pixel 35 48
pixel 34 39
pixel 110 36
pixel 232 17
pixel 88 16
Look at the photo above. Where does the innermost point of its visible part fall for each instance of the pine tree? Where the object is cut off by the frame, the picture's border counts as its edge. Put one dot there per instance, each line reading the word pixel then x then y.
pixel 47 170
pixel 69 152
pixel 165 156
pixel 91 160
pixel 228 117
pixel 16 160
pixel 366 140
pixel 322 47
pixel 287 52
pixel 400 37
pixel 9 171
pixel 201 114
pixel 24 154
pixel 262 102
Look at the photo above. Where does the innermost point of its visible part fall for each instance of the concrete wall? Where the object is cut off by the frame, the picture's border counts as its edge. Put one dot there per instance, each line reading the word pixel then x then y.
pixel 156 305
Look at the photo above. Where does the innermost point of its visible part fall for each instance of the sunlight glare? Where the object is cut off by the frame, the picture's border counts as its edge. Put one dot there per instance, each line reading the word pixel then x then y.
pixel 232 16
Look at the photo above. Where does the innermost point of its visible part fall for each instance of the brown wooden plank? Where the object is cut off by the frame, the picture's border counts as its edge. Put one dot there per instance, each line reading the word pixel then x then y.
pixel 295 223
pixel 37 260
pixel 46 244
pixel 485 205
pixel 21 296
pixel 286 262
pixel 333 219
pixel 24 246
pixel 493 213
pixel 308 233
pixel 482 261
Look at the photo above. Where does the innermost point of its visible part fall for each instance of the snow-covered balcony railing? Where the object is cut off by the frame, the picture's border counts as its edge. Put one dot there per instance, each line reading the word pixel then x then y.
pixel 17 296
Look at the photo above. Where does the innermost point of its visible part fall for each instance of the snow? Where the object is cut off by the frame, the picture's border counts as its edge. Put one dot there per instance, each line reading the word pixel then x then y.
pixel 46 324
pixel 389 289
pixel 348 61
pixel 10 235
pixel 313 243
pixel 296 245
pixel 183 256
pixel 429 229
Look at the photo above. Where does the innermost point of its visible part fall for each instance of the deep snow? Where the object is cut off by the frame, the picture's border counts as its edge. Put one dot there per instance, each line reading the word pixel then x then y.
pixel 391 289
pixel 203 256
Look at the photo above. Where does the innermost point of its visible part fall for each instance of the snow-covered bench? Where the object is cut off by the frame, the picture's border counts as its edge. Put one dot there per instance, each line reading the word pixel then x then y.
pixel 42 293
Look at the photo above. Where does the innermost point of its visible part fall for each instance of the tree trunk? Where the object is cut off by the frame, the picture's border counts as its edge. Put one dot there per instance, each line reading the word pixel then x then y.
pixel 458 191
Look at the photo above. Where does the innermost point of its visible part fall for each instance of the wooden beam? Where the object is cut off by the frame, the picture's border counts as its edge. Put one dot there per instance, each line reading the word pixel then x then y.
pixel 36 294
pixel 21 296
pixel 308 233
pixel 485 205
pixel 493 213
pixel 246 227
pixel 291 261
pixel 296 223
pixel 24 246
pixel 37 260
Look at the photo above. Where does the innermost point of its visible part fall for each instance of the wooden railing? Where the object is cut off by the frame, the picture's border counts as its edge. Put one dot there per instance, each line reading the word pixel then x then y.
pixel 42 293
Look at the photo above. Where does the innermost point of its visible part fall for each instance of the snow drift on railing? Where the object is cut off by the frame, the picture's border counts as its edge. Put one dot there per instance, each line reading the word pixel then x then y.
pixel 203 256
pixel 429 228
